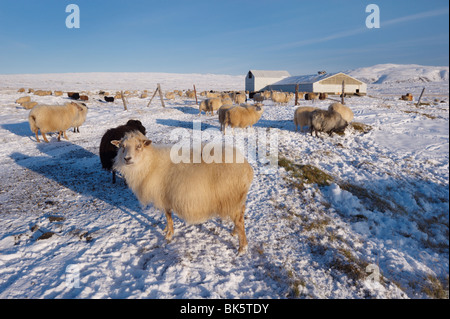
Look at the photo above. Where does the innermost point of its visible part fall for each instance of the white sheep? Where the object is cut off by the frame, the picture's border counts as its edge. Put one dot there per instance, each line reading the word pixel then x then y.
pixel 196 192
pixel 311 96
pixel 302 117
pixel 210 105
pixel 222 113
pixel 80 118
pixel 53 118
pixel 345 111
pixel 211 95
pixel 240 98
pixel 170 95
pixel 280 97
pixel 190 94
pixel 242 116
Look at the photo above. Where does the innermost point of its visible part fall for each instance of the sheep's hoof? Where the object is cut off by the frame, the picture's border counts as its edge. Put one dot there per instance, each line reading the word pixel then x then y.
pixel 242 250
pixel 169 235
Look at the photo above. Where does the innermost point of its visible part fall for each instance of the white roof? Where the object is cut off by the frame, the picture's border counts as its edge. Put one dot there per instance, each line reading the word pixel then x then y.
pixel 312 78
pixel 270 74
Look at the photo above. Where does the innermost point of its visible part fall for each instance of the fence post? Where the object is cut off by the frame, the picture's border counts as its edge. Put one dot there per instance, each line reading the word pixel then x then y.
pixel 195 93
pixel 123 100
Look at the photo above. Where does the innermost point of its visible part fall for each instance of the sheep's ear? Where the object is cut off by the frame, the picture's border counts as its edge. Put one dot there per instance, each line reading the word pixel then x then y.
pixel 78 106
pixel 116 143
pixel 147 142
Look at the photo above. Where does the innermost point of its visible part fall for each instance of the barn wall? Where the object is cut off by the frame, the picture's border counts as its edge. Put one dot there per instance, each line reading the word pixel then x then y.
pixel 337 88
pixel 250 84
pixel 261 83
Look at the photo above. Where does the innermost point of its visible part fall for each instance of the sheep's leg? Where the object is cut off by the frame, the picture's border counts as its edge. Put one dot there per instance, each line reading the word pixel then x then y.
pixel 45 137
pixel 169 226
pixel 37 137
pixel 65 136
pixel 239 229
pixel 59 136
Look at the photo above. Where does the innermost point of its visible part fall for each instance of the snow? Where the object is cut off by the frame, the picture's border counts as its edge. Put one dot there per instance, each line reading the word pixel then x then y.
pixel 67 232
pixel 401 73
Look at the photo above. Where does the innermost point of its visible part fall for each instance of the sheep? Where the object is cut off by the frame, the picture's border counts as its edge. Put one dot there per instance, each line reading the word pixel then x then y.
pixel 242 116
pixel 240 98
pixel 327 121
pixel 225 95
pixel 29 105
pixel 212 94
pixel 311 96
pixel 107 151
pixel 84 98
pixel 58 93
pixel 53 118
pixel 73 95
pixel 222 113
pixel 281 97
pixel 302 117
pixel 21 90
pixel 190 94
pixel 258 97
pixel 23 99
pixel 170 95
pixel 288 97
pixel 109 98
pixel 323 96
pixel 345 111
pixel 196 192
pixel 42 93
pixel 278 97
pixel 210 105
pixel 407 97
pixel 80 118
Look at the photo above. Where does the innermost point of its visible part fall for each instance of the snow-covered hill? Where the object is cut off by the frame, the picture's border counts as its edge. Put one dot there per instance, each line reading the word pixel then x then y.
pixel 401 73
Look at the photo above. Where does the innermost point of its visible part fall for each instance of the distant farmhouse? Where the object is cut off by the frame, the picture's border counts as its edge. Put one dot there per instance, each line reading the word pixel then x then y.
pixel 317 83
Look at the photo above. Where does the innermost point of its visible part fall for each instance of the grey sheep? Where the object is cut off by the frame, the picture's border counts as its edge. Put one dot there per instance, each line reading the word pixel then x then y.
pixel 327 121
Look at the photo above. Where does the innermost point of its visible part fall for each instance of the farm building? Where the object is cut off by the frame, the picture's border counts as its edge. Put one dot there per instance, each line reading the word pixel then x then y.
pixel 256 80
pixel 320 83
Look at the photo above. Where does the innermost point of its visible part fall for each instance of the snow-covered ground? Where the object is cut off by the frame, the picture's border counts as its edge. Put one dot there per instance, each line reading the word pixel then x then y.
pixel 378 229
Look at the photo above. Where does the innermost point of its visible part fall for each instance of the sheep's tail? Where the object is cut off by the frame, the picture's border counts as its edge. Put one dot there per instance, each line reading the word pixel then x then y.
pixel 227 120
pixel 32 121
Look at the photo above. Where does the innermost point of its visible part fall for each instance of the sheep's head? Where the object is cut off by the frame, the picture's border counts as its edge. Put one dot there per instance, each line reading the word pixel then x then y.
pixel 259 107
pixel 131 147
pixel 77 106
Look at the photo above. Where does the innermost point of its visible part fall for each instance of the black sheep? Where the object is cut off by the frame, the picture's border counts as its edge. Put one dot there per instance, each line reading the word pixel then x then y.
pixel 109 99
pixel 108 151
pixel 74 95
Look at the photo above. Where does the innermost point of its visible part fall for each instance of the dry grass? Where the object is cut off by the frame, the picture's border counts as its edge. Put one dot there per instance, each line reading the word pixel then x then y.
pixel 361 127
pixel 305 174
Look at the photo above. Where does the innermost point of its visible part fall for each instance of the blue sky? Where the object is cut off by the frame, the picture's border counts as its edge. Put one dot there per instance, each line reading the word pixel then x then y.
pixel 222 37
